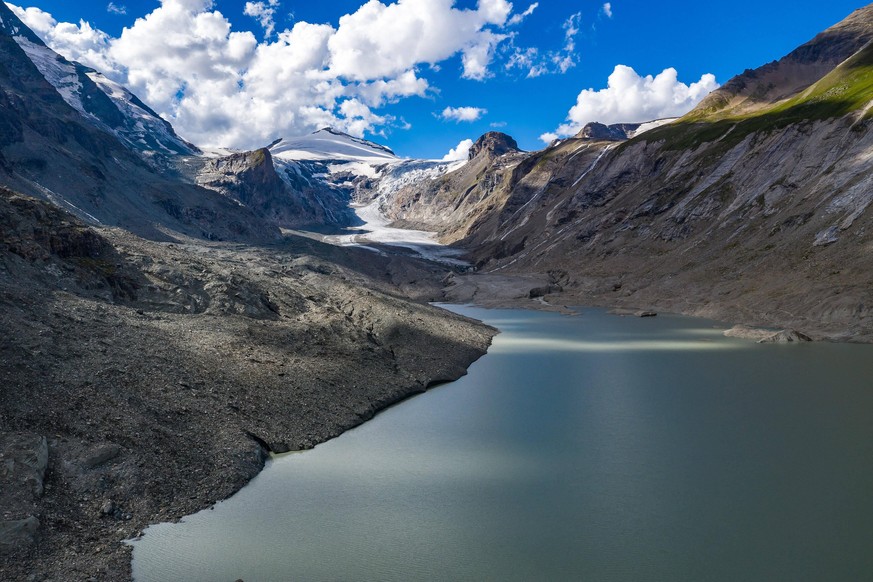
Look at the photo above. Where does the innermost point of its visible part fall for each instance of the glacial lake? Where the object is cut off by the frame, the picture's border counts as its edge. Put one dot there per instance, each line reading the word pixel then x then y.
pixel 592 447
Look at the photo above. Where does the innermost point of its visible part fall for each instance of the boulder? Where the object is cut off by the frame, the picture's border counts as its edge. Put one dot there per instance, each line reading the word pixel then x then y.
pixel 100 455
pixel 23 461
pixel 18 533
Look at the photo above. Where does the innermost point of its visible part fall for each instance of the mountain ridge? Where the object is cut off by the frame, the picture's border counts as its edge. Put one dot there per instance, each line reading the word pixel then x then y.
pixel 792 73
pixel 330 144
pixel 754 216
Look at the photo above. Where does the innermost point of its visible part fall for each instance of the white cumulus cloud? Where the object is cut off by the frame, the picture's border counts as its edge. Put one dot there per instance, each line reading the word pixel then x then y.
pixel 459 152
pixel 631 98
pixel 459 114
pixel 607 9
pixel 381 40
pixel 220 86
pixel 114 8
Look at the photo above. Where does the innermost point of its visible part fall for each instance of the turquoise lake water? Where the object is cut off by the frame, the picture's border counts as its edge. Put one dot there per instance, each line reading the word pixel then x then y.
pixel 580 448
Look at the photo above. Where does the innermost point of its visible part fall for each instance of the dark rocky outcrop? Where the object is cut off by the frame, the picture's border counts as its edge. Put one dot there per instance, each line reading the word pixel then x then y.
pixel 600 132
pixel 252 179
pixel 493 144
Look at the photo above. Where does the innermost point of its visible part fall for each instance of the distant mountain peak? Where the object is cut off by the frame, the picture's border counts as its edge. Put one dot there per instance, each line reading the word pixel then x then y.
pixel 329 143
pixel 494 143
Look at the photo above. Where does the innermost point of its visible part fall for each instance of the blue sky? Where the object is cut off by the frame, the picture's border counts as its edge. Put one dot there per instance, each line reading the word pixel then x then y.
pixel 695 38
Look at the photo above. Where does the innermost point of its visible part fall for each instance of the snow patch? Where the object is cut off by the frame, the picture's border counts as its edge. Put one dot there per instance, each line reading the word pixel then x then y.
pixel 377 229
pixel 407 172
pixel 356 168
pixel 59 72
pixel 330 145
pixel 650 125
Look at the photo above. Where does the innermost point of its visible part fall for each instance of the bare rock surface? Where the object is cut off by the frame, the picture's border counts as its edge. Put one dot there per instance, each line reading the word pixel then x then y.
pixel 493 144
pixel 767 336
pixel 16 534
pixel 23 462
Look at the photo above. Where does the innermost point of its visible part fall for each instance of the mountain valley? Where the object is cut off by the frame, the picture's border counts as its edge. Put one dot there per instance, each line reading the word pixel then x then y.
pixel 173 315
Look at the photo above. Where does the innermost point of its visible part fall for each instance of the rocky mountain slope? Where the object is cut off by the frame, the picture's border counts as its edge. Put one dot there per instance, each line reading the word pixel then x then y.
pixel 761 87
pixel 753 208
pixel 451 202
pixel 150 379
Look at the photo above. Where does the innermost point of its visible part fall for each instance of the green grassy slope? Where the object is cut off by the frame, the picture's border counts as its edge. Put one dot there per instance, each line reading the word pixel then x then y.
pixel 845 90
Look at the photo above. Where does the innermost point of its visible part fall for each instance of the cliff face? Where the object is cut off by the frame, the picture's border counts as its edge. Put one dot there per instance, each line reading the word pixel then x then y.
pixel 252 179
pixel 451 203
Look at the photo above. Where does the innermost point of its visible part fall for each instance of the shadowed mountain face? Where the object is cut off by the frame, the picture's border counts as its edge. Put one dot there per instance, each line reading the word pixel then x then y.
pixel 74 158
pixel 103 103
pixel 255 180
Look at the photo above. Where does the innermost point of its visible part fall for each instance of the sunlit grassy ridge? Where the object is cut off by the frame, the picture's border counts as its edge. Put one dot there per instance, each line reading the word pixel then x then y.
pixel 846 89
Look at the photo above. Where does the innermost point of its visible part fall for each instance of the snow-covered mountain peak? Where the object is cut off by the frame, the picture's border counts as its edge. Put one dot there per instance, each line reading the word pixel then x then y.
pixel 102 102
pixel 329 144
